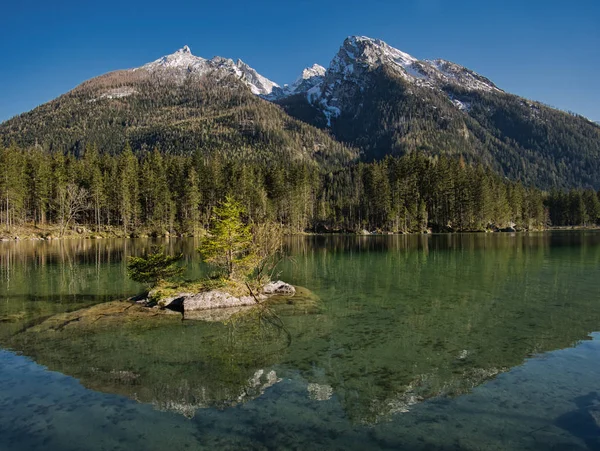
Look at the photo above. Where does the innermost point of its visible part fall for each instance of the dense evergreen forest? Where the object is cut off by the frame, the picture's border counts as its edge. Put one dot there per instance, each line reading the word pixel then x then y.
pixel 518 138
pixel 215 115
pixel 152 192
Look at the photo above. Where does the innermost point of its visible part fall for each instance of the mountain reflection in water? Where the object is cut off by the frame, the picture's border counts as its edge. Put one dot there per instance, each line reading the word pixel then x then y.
pixel 401 322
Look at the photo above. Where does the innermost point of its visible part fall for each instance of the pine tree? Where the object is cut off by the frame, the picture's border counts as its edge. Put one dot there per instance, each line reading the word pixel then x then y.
pixel 592 206
pixel 128 189
pixel 13 188
pixel 191 202
pixel 39 176
pixel 229 243
pixel 154 267
pixel 93 181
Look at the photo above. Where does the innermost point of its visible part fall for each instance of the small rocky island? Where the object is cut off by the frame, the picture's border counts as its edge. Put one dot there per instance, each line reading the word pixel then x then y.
pixel 213 306
pixel 216 298
pixel 218 303
pixel 243 257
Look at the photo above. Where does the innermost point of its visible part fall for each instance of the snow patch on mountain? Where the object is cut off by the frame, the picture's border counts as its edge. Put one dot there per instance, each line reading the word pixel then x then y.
pixel 334 90
pixel 118 93
pixel 183 63
pixel 115 93
pixel 310 78
pixel 453 73
pixel 462 105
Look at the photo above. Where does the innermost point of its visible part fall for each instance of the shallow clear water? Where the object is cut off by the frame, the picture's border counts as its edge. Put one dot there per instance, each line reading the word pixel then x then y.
pixel 416 342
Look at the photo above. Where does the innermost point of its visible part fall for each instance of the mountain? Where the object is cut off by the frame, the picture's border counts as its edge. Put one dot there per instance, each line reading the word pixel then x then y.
pixel 385 101
pixel 359 56
pixel 179 103
pixel 373 100
pixel 311 77
pixel 181 64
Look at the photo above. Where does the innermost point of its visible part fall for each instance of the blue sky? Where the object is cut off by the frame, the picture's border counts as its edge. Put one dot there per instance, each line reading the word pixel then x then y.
pixel 546 50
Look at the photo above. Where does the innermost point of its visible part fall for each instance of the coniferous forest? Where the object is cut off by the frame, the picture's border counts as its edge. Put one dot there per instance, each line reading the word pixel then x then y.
pixel 159 159
pixel 154 193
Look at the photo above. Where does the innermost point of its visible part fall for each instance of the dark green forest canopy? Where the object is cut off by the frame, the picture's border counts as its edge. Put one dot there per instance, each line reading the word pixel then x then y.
pixel 137 152
pixel 152 192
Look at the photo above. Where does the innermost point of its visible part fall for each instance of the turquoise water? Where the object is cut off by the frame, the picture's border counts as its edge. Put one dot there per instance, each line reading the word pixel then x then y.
pixel 417 342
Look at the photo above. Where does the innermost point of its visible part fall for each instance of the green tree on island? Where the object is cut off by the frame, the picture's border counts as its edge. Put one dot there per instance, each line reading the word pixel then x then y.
pixel 229 245
pixel 154 267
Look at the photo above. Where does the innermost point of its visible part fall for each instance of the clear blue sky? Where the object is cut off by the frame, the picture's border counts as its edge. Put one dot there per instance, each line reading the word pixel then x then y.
pixel 546 50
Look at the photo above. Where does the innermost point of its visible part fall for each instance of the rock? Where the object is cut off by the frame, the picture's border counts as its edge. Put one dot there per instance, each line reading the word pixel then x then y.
pixel 167 301
pixel 185 302
pixel 279 288
pixel 216 299
pixel 320 392
pixel 139 298
pixel 364 232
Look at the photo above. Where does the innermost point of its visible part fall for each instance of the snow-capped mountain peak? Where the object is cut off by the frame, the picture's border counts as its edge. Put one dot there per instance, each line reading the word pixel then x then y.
pixel 258 84
pixel 311 76
pixel 374 51
pixel 182 64
pixel 453 73
pixel 181 59
pixel 315 70
pixel 334 90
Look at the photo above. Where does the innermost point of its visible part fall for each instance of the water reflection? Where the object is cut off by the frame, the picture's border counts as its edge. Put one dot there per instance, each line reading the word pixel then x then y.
pixel 584 421
pixel 402 320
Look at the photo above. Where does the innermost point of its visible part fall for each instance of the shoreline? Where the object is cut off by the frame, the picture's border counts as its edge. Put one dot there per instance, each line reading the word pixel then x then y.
pixel 49 233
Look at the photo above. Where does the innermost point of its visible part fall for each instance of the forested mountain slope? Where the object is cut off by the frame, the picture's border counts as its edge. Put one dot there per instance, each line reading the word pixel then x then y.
pixel 384 102
pixel 213 111
pixel 372 101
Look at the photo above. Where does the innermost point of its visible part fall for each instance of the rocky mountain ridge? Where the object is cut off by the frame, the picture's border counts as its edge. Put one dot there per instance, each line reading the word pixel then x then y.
pixel 183 64
pixel 360 55
pixel 373 100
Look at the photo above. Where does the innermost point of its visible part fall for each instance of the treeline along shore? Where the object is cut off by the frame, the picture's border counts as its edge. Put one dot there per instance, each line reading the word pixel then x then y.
pixel 134 193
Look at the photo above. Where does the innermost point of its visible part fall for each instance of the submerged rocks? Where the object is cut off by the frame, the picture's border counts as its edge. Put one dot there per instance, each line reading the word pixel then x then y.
pixel 320 392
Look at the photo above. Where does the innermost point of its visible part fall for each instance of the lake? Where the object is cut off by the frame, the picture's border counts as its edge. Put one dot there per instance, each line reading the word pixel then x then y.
pixel 449 342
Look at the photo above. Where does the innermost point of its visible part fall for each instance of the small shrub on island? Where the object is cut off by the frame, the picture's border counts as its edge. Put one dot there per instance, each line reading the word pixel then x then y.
pixel 154 268
pixel 243 255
